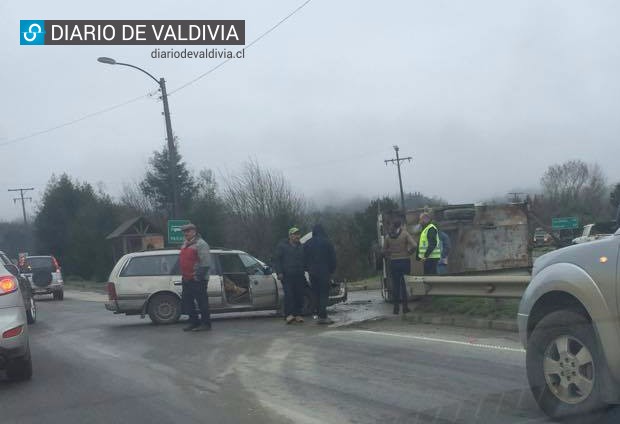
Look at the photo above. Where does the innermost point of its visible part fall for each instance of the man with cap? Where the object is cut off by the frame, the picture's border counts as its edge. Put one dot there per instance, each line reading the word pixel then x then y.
pixel 288 262
pixel 194 261
pixel 429 248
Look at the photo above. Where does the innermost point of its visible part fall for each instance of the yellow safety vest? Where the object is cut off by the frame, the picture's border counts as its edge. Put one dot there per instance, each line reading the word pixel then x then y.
pixel 436 253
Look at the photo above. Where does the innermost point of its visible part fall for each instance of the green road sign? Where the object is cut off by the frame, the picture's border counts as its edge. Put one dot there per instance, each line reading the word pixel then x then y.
pixel 568 223
pixel 175 235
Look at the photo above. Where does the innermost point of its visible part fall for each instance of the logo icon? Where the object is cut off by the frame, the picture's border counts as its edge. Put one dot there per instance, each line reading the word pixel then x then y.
pixel 31 32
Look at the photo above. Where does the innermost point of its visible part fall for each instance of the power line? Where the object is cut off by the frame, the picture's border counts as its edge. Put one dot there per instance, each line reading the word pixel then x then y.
pixel 199 77
pixel 22 198
pixel 75 121
pixel 264 34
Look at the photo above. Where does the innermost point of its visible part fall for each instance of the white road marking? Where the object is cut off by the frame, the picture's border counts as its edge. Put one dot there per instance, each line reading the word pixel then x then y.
pixel 434 340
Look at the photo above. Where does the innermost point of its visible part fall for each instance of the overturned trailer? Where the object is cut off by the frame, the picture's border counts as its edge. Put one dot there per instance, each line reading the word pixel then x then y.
pixel 485 239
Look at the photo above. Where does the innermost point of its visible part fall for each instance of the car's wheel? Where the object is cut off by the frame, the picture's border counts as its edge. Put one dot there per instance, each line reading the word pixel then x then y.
pixel 310 302
pixel 31 311
pixel 564 366
pixel 20 369
pixel 164 309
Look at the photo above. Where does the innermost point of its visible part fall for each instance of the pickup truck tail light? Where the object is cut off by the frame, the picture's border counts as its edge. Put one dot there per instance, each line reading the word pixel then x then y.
pixel 111 291
pixel 8 284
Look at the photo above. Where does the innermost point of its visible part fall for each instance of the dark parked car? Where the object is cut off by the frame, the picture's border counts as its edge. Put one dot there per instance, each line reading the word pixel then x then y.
pixel 45 276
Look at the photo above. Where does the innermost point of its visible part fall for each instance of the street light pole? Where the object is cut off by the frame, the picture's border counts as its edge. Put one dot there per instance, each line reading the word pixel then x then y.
pixel 170 137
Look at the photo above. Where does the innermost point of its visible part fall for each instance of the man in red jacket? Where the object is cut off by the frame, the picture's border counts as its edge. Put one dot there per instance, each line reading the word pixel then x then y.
pixel 194 261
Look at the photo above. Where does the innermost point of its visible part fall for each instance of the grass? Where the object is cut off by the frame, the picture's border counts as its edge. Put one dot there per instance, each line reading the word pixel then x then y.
pixel 471 306
pixel 85 285
pixel 373 283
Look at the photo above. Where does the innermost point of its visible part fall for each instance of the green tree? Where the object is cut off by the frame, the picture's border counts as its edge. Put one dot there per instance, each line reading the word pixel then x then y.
pixel 156 184
pixel 417 200
pixel 72 224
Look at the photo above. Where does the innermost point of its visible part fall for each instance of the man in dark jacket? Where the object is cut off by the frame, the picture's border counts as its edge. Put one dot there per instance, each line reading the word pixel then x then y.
pixel 320 259
pixel 288 262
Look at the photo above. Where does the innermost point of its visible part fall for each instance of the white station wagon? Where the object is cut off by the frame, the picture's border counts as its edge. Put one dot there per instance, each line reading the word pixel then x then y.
pixel 149 283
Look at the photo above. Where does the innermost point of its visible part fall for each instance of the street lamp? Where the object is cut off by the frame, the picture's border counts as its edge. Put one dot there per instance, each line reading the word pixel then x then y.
pixel 171 148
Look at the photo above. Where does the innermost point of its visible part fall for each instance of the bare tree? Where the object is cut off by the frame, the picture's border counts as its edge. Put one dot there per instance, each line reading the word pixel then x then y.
pixel 574 188
pixel 134 198
pixel 262 206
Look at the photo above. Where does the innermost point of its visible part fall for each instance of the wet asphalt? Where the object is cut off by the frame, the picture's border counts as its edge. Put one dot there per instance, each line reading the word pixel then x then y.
pixel 91 366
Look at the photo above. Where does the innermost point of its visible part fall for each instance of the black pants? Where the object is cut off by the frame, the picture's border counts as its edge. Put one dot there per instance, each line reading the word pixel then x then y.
pixel 196 291
pixel 320 286
pixel 398 269
pixel 430 266
pixel 294 286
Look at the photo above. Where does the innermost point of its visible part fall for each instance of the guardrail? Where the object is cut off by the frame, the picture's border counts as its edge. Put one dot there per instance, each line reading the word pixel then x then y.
pixel 508 286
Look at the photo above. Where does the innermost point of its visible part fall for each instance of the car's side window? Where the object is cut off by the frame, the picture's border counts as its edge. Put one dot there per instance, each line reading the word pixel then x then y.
pixel 151 266
pixel 231 264
pixel 252 266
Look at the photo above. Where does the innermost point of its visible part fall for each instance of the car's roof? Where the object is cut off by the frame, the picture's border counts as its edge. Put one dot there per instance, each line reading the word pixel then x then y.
pixel 39 256
pixel 157 252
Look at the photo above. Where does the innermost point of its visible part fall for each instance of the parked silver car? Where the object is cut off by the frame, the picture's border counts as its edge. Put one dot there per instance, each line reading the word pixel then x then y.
pixel 30 305
pixel 15 356
pixel 569 324
pixel 150 283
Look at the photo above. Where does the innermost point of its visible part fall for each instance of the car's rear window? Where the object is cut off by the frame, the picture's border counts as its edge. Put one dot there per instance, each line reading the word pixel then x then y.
pixel 40 262
pixel 151 266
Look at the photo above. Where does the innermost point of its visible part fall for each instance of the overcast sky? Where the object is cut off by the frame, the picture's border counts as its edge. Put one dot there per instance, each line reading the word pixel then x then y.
pixel 483 94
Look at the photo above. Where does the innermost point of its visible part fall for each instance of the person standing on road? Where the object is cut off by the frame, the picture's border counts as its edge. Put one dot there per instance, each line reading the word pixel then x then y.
pixel 320 260
pixel 288 263
pixel 429 249
pixel 445 246
pixel 398 247
pixel 194 261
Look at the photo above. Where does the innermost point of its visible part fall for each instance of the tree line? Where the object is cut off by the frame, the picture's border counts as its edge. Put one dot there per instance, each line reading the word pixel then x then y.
pixel 251 210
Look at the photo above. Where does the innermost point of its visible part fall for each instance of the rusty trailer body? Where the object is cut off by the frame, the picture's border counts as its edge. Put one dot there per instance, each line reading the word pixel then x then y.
pixel 485 239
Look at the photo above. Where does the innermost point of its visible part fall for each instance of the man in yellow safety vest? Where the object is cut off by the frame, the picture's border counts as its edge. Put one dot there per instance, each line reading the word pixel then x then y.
pixel 429 248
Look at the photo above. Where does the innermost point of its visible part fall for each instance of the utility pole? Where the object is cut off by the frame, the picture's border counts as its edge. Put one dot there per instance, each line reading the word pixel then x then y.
pixel 171 149
pixel 397 161
pixel 22 198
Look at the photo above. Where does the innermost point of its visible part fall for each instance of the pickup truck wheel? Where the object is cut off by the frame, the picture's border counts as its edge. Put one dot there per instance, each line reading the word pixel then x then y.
pixel 31 311
pixel 564 367
pixel 20 369
pixel 164 309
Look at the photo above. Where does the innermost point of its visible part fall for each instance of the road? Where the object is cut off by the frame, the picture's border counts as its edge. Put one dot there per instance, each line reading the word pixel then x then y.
pixel 95 367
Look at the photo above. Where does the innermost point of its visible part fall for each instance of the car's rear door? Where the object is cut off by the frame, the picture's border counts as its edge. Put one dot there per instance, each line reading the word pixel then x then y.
pixel 143 275
pixel 262 284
